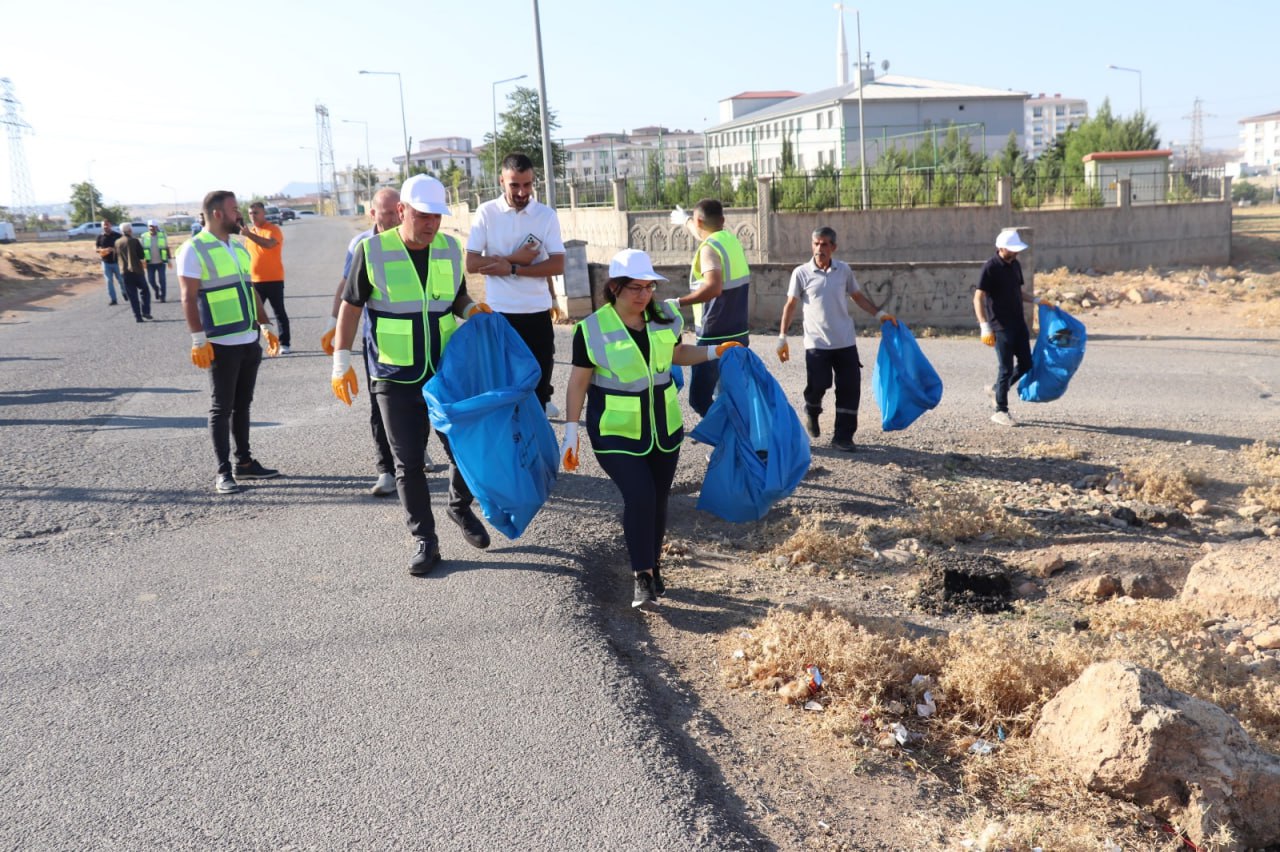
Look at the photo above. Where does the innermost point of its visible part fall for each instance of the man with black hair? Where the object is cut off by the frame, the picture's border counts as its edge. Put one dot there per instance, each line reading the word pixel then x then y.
pixel 719 285
pixel 515 243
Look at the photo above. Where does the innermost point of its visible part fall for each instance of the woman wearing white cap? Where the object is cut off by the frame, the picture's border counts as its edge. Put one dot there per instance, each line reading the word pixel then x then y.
pixel 998 304
pixel 622 357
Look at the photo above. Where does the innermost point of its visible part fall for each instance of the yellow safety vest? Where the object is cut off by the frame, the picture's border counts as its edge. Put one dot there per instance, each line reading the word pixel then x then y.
pixel 728 315
pixel 227 305
pixel 160 242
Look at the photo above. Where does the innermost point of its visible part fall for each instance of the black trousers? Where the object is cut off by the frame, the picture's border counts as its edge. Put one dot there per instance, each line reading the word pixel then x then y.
pixel 822 368
pixel 272 292
pixel 232 378
pixel 135 289
pixel 404 414
pixel 538 333
pixel 1011 345
pixel 383 461
pixel 645 483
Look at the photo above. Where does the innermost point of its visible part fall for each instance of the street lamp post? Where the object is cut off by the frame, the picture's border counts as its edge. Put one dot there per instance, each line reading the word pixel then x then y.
pixel 404 125
pixel 494 142
pixel 368 178
pixel 1133 71
pixel 93 209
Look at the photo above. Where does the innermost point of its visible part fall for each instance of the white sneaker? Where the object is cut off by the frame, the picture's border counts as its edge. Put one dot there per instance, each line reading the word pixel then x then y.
pixel 385 486
pixel 285 350
pixel 553 411
pixel 1003 418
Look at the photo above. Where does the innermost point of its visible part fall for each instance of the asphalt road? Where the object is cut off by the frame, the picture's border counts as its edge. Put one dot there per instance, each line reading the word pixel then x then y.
pixel 184 670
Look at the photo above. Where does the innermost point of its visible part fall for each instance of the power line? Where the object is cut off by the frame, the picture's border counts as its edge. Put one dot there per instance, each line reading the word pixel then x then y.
pixel 22 201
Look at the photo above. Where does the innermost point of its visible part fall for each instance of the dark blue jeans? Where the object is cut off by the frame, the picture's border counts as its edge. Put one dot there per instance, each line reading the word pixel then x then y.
pixel 703 378
pixel 1011 345
pixel 156 275
pixel 823 367
pixel 111 271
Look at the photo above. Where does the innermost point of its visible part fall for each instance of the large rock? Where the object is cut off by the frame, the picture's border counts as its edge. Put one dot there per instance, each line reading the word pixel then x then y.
pixel 1122 732
pixel 1240 579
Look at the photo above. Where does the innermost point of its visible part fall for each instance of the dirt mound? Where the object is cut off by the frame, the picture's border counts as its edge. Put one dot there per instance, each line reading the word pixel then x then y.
pixel 968 582
pixel 37 261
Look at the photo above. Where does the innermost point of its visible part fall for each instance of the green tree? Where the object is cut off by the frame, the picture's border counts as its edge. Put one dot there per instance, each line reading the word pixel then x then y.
pixel 788 156
pixel 364 176
pixel 87 206
pixel 520 131
pixel 1245 191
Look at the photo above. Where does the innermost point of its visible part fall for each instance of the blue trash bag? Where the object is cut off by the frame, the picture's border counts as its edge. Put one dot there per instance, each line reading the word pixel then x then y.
pixel 761 451
pixel 905 383
pixel 483 399
pixel 1058 353
pixel 677 376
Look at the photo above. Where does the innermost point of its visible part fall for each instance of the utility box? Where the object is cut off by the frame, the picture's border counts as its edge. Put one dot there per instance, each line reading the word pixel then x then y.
pixel 573 289
pixel 1146 171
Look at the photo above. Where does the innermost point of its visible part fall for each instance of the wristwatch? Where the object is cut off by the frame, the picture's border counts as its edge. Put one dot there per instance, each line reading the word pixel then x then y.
pixel 513 269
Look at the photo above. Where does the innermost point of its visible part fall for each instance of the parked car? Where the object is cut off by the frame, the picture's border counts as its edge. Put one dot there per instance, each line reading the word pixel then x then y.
pixel 85 231
pixel 302 213
pixel 288 214
pixel 139 228
pixel 273 214
pixel 7 234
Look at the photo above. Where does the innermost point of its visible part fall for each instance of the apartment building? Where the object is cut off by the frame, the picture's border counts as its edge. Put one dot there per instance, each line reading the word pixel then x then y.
pixel 1049 117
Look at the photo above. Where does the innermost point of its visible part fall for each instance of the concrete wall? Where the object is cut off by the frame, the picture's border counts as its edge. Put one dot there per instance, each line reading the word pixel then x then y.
pixel 920 294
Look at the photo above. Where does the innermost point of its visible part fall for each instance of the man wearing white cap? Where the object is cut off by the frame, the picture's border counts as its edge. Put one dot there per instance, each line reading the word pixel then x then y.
pixel 998 304
pixel 155 246
pixel 408 282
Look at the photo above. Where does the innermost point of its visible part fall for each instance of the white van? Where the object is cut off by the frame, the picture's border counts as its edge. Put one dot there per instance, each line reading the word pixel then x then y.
pixel 6 233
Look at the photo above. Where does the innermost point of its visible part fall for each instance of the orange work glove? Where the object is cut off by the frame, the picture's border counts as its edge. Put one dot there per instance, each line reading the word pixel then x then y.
pixel 326 339
pixel 988 336
pixel 723 347
pixel 273 342
pixel 478 308
pixel 343 381
pixel 569 447
pixel 784 349
pixel 885 316
pixel 201 351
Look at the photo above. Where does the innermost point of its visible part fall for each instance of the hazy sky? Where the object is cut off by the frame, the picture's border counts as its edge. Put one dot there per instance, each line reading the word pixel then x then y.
pixel 198 96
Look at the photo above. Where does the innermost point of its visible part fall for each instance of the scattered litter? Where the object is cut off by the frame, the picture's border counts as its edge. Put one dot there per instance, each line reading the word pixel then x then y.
pixel 1109 846
pixel 815 679
pixel 813 705
pixel 822 825
pixel 982 747
pixel 1000 732
pixel 897 708
pixel 927 708
pixel 739 654
pixel 921 680
pixel 901 734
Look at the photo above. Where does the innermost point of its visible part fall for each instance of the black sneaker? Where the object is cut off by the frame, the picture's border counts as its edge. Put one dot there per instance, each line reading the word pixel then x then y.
pixel 811 424
pixel 226 484
pixel 472 530
pixel 427 557
pixel 844 445
pixel 255 470
pixel 659 587
pixel 644 592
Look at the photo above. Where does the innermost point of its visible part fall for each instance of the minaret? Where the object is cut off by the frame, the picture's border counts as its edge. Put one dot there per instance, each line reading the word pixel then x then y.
pixel 842 49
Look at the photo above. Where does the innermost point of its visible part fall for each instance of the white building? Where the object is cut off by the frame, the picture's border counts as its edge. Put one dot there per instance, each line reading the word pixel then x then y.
pixel 1260 143
pixel 435 155
pixel 1049 117
pixel 822 127
pixel 603 156
pixel 354 192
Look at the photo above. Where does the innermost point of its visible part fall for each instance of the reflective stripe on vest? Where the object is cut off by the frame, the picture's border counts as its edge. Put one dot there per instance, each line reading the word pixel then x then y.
pixel 227 305
pixel 632 405
pixel 149 242
pixel 726 315
pixel 408 326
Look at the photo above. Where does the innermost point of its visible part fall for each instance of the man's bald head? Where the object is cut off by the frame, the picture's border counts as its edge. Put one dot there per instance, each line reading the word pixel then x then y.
pixel 384 210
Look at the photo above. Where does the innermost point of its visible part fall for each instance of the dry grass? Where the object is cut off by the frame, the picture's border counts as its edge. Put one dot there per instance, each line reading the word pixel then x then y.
pixel 946 514
pixel 829 541
pixel 995 678
pixel 1266 496
pixel 1063 450
pixel 1264 458
pixel 1163 483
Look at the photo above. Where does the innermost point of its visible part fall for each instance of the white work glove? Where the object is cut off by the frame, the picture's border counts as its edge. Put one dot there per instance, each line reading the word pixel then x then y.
pixel 988 336
pixel 343 379
pixel 569 447
pixel 198 340
pixel 680 216
pixel 784 349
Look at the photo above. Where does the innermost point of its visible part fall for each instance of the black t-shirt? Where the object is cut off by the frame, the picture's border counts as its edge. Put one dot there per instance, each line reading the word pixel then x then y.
pixel 108 241
pixel 359 288
pixel 1002 282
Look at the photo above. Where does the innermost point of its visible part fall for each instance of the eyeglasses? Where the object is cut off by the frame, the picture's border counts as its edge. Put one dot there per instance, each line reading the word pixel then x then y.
pixel 641 287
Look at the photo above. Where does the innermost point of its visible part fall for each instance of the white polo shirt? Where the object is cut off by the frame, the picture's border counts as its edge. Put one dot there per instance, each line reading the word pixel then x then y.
pixel 189 267
pixel 500 229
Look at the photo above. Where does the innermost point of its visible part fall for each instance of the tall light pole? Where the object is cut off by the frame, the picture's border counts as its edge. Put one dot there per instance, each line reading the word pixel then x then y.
pixel 404 125
pixel 93 209
pixel 548 161
pixel 494 144
pixel 175 195
pixel 862 136
pixel 368 178
pixel 1133 71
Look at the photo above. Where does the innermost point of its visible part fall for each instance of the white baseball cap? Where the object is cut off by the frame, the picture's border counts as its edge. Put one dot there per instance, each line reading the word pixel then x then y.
pixel 151 223
pixel 633 263
pixel 425 194
pixel 1010 241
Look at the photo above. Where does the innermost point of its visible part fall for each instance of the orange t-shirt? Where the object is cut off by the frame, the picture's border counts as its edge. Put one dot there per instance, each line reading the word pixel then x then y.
pixel 266 264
